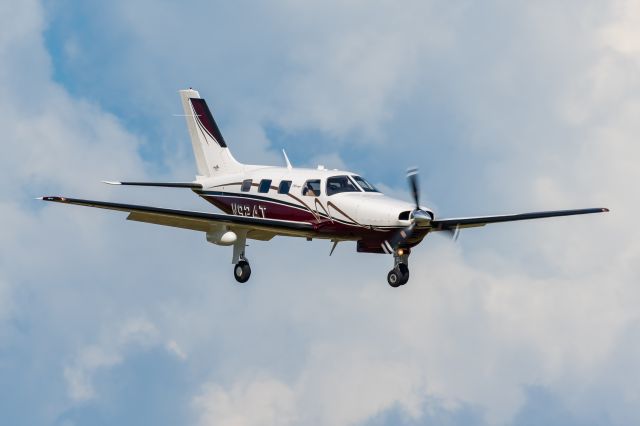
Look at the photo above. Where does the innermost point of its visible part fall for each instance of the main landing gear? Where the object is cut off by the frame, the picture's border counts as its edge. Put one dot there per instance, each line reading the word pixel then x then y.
pixel 241 267
pixel 399 275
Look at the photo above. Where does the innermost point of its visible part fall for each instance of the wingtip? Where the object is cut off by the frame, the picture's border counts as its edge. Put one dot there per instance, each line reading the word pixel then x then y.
pixel 111 182
pixel 49 198
pixel 604 209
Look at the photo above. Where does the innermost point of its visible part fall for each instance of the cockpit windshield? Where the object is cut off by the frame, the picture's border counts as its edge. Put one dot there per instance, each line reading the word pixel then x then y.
pixel 337 184
pixel 366 186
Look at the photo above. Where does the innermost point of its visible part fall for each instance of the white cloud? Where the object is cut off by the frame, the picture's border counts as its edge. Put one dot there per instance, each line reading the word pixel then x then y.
pixel 173 347
pixel 262 401
pixel 622 34
pixel 108 352
pixel 348 384
pixel 78 377
pixel 350 72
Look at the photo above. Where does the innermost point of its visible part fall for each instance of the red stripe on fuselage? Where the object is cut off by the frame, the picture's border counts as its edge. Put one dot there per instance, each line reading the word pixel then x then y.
pixel 245 206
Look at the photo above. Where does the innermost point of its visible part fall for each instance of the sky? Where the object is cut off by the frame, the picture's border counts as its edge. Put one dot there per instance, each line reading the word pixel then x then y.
pixel 504 106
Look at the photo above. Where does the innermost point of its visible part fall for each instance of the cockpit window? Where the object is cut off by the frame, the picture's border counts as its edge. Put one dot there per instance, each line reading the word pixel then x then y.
pixel 366 186
pixel 337 184
pixel 311 188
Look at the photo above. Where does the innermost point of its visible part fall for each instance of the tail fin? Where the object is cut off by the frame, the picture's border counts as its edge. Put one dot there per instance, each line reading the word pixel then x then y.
pixel 209 147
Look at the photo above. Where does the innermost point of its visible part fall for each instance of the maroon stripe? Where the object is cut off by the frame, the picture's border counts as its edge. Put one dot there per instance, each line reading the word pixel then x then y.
pixel 203 115
pixel 371 238
pixel 243 206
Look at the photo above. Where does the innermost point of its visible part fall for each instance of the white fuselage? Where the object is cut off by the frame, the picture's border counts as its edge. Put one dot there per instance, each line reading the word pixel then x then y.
pixel 356 208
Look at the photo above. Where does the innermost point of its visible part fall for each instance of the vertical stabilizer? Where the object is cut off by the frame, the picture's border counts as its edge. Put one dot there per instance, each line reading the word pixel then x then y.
pixel 209 147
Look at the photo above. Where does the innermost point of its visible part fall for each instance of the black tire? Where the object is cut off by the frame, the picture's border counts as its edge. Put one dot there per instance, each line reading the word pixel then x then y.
pixel 398 276
pixel 242 271
pixel 394 278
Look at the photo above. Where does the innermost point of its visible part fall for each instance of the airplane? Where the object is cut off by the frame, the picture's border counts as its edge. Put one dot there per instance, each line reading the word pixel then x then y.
pixel 261 202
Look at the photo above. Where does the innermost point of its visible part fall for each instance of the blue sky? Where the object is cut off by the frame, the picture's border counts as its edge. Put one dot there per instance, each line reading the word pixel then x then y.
pixel 504 107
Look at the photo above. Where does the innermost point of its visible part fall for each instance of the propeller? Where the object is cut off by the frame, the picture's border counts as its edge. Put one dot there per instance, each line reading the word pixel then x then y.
pixel 412 177
pixel 418 215
pixel 453 233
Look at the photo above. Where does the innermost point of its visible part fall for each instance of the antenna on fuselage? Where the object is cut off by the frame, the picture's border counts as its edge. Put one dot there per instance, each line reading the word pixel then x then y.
pixel 289 166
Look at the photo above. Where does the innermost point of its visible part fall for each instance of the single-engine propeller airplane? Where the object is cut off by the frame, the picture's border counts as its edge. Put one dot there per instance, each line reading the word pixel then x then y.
pixel 261 202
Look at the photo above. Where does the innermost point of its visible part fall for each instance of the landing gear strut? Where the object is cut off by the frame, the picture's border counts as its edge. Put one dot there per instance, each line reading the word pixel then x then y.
pixel 399 275
pixel 241 268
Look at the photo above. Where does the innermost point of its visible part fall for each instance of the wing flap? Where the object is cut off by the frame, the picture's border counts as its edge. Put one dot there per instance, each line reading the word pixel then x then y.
pixel 173 221
pixel 197 221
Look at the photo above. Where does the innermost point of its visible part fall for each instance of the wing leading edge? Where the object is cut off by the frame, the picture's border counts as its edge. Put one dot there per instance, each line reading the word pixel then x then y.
pixel 197 221
pixel 468 222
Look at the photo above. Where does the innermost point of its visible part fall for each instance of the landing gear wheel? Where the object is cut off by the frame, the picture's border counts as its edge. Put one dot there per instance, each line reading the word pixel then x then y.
pixel 394 278
pixel 242 271
pixel 398 276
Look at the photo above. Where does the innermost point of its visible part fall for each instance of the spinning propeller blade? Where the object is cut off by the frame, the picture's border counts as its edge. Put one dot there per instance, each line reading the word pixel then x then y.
pixel 412 177
pixel 402 235
pixel 452 233
pixel 417 215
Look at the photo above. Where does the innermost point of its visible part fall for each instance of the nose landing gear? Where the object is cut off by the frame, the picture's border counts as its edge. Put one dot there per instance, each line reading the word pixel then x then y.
pixel 399 275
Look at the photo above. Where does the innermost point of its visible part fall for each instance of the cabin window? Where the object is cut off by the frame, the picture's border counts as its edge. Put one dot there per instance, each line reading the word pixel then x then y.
pixel 337 184
pixel 311 188
pixel 366 186
pixel 265 184
pixel 284 187
pixel 246 185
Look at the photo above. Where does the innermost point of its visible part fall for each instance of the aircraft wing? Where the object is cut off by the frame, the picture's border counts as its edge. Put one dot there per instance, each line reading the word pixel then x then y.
pixel 192 185
pixel 469 222
pixel 197 221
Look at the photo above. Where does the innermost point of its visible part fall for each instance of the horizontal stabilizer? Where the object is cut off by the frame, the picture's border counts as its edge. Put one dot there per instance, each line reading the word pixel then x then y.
pixel 192 185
